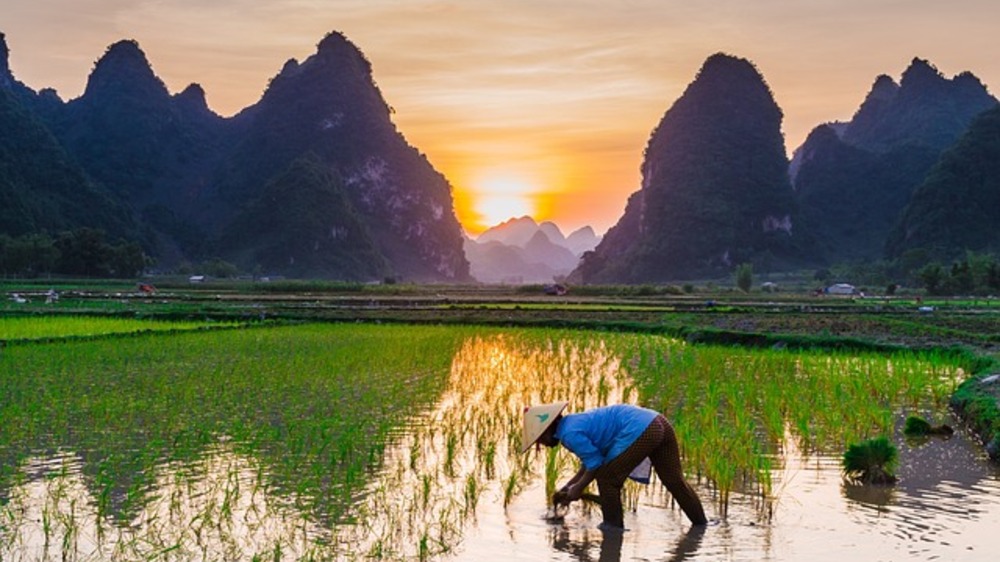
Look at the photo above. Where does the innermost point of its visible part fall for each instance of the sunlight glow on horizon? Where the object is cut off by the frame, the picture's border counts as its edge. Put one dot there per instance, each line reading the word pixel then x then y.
pixel 495 197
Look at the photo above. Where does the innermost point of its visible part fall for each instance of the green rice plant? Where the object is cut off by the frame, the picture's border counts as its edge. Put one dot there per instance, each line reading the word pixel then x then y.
pixel 414 454
pixel 427 484
pixel 451 443
pixel 731 408
pixel 424 550
pixel 315 404
pixel 472 492
pixel 872 461
pixel 509 489
pixel 25 328
pixel 387 429
pixel 489 459
pixel 551 471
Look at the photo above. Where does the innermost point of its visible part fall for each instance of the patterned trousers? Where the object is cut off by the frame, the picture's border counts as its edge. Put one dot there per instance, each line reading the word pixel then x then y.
pixel 659 443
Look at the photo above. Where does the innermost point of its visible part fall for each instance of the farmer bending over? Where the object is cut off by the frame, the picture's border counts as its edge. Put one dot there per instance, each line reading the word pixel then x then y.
pixel 612 441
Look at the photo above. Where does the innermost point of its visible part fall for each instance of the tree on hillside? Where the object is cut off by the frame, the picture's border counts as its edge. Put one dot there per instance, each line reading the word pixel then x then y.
pixel 744 277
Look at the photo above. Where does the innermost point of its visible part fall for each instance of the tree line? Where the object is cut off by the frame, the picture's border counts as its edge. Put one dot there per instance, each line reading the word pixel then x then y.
pixel 83 252
pixel 975 273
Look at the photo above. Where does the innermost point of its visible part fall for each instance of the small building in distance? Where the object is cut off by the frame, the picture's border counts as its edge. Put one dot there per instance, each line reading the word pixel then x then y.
pixel 841 289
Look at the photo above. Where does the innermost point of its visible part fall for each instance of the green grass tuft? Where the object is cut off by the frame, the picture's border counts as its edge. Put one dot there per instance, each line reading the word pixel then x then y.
pixel 872 461
pixel 916 426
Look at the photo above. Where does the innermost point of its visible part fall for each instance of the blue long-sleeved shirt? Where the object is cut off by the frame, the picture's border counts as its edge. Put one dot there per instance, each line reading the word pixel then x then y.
pixel 599 435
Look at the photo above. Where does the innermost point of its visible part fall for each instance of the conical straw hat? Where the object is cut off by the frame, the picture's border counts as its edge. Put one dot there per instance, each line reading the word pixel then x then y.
pixel 537 419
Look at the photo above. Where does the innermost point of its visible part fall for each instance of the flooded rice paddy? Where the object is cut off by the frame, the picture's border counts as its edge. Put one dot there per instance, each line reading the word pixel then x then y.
pixel 399 442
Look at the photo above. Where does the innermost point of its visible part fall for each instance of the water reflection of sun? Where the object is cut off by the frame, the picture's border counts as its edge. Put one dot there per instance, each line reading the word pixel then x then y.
pixel 467 449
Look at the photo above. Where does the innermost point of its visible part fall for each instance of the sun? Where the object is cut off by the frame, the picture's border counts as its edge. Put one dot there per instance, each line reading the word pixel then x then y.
pixel 498 198
pixel 495 209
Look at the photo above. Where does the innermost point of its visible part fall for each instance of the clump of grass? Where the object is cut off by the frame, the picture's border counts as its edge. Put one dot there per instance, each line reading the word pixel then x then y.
pixel 916 426
pixel 919 427
pixel 872 461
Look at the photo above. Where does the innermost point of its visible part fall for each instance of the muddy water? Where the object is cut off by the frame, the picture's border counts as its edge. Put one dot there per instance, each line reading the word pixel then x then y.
pixel 453 487
pixel 946 506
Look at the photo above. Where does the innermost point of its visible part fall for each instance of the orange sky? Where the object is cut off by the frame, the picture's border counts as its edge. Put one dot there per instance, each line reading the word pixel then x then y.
pixel 538 107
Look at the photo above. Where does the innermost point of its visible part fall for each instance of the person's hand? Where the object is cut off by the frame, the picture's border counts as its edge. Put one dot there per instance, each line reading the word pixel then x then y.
pixel 560 498
pixel 567 495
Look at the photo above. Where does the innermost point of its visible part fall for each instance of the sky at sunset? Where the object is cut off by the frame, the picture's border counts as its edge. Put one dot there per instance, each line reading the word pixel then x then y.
pixel 539 107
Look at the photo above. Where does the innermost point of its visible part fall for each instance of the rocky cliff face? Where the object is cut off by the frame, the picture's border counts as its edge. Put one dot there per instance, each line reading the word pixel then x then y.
pixel 852 187
pixel 715 189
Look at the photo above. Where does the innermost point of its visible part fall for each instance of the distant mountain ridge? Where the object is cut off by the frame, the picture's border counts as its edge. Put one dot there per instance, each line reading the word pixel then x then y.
pixel 521 250
pixel 203 186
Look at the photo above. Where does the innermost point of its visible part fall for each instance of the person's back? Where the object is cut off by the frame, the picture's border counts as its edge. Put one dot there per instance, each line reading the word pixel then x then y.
pixel 603 433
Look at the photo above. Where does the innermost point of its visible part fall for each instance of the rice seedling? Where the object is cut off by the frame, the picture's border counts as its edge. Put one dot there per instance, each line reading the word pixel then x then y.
pixel 287 396
pixel 872 461
pixel 384 439
pixel 26 328
pixel 472 492
pixel 731 407
pixel 509 489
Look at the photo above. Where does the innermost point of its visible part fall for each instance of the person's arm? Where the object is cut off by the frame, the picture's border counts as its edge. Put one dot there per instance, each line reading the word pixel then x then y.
pixel 573 490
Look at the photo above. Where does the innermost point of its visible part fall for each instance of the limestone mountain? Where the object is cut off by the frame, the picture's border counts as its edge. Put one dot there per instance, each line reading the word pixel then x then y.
pixel 926 108
pixel 330 107
pixel 150 148
pixel 129 133
pixel 715 189
pixel 582 240
pixel 42 189
pixel 538 261
pixel 852 181
pixel 957 208
pixel 198 182
pixel 515 231
pixel 849 197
